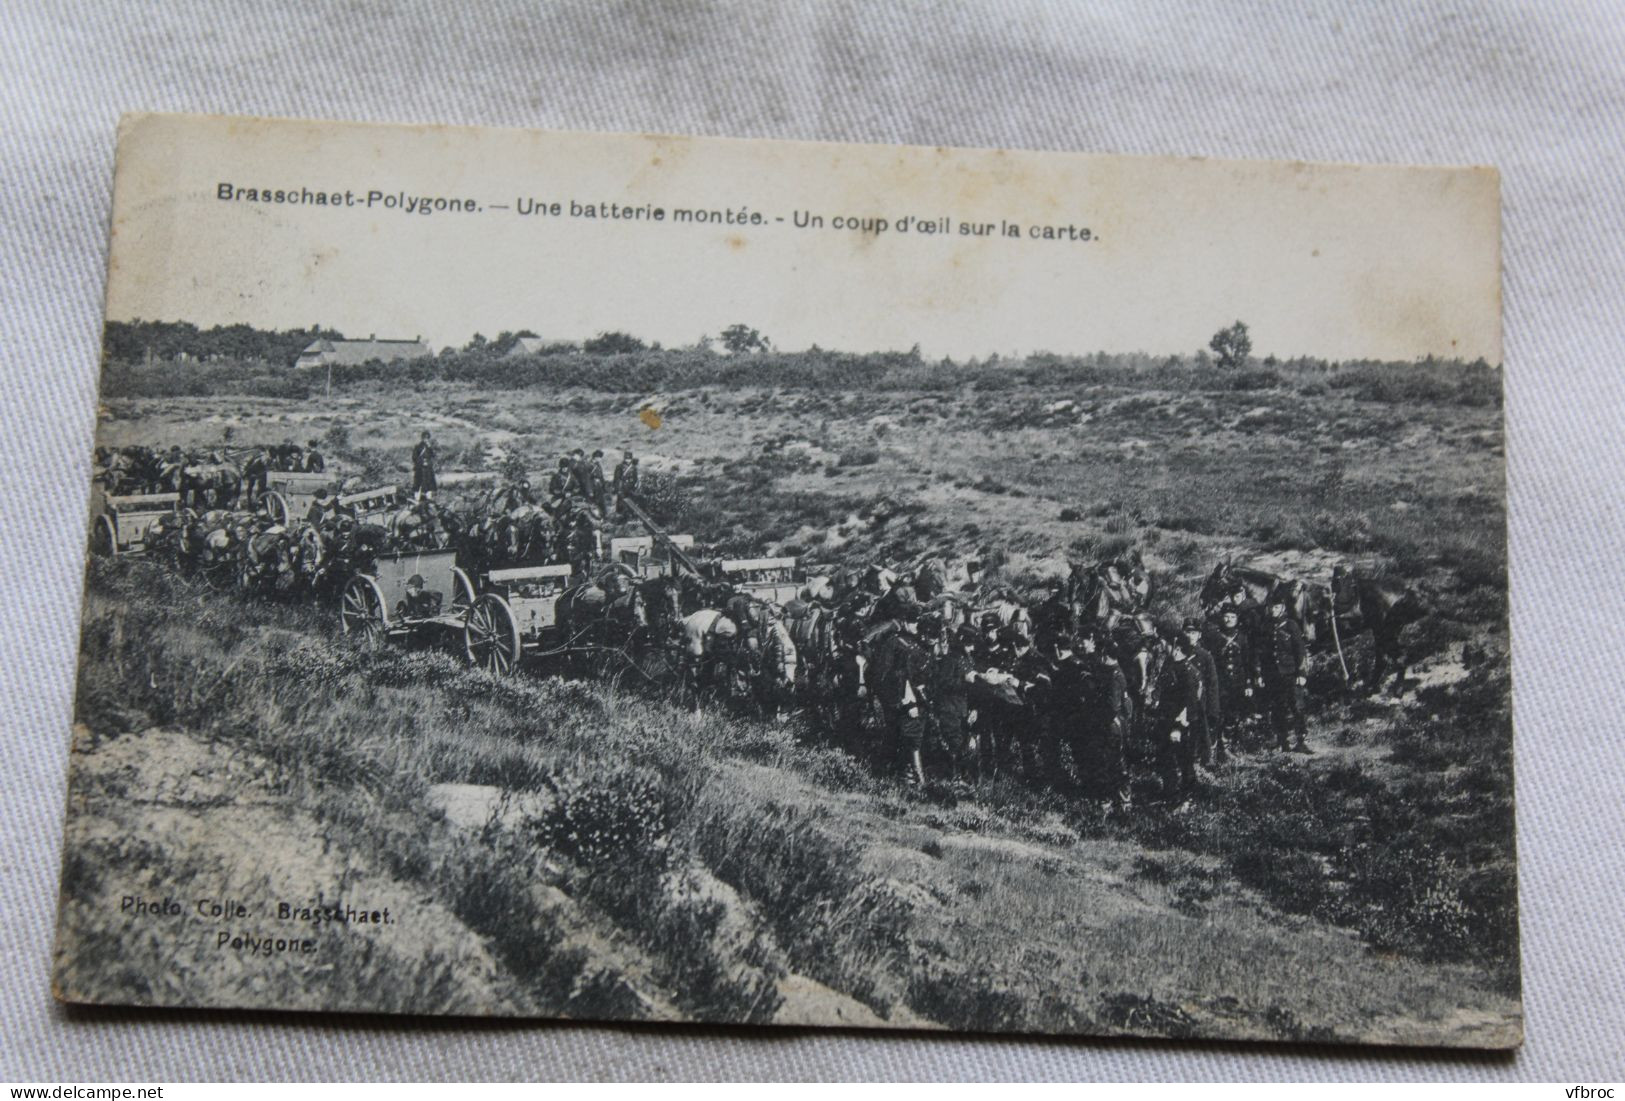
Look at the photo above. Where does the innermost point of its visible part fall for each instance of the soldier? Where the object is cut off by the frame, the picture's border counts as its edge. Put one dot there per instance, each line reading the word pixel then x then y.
pixel 314 463
pixel 901 671
pixel 418 604
pixel 1237 667
pixel 255 475
pixel 1283 662
pixel 558 484
pixel 1207 726
pixel 779 664
pixel 1029 675
pixel 320 505
pixel 851 689
pixel 580 478
pixel 953 673
pixel 1174 717
pixel 423 463
pixel 1101 726
pixel 944 733
pixel 598 482
pixel 582 540
pixel 627 479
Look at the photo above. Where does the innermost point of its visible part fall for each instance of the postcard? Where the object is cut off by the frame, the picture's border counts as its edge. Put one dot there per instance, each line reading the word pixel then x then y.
pixel 653 578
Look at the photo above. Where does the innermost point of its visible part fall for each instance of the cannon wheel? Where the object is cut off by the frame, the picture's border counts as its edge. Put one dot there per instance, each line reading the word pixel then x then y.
pixel 219 574
pixel 362 611
pixel 104 538
pixel 276 508
pixel 491 635
pixel 462 589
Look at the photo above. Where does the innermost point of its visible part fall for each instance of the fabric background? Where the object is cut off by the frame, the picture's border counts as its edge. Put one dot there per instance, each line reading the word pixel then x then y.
pixel 1536 89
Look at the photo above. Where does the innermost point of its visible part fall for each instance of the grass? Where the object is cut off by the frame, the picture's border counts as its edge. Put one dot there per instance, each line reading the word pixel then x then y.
pixel 708 869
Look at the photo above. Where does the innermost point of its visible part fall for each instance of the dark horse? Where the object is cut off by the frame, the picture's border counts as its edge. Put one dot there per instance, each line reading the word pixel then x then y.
pixel 1368 604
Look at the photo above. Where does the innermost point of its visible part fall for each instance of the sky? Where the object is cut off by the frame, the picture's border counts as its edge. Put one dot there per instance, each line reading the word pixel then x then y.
pixel 852 247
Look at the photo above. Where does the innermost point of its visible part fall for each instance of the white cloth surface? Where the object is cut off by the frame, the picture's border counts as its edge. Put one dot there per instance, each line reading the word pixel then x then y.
pixel 1537 89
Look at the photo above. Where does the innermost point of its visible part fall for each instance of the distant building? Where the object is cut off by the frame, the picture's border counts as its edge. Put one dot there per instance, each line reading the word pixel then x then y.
pixel 529 346
pixel 348 353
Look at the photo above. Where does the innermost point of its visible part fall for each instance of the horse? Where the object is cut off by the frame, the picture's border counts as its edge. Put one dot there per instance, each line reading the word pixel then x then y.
pixel 710 643
pixel 1367 604
pixel 607 610
pixel 812 629
pixel 209 484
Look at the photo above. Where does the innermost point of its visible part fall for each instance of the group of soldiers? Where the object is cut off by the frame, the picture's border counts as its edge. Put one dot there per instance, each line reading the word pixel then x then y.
pixel 1073 709
pixel 920 680
pixel 577 477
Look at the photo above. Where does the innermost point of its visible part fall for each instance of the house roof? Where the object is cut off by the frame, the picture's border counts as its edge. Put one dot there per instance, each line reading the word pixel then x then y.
pixel 528 346
pixel 350 352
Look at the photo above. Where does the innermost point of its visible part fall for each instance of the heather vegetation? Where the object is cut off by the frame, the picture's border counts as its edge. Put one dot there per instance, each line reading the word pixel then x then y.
pixel 581 848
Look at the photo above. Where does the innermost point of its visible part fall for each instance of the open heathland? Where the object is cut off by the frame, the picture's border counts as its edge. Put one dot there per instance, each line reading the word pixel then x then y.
pixel 550 846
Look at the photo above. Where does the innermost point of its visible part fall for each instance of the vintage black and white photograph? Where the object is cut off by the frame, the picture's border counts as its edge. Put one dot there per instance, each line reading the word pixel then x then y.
pixel 642 578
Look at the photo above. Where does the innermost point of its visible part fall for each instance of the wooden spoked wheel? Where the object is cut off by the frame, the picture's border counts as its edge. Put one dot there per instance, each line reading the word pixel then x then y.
pixel 362 612
pixel 103 538
pixel 462 589
pixel 491 635
pixel 276 508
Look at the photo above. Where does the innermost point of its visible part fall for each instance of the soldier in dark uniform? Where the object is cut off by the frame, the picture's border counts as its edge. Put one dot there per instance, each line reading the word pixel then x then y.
pixel 627 479
pixel 1058 703
pixel 558 484
pixel 424 457
pixel 1100 726
pixel 1283 663
pixel 314 463
pixel 900 676
pixel 1031 672
pixel 321 505
pixel 852 691
pixel 417 603
pixel 952 675
pixel 580 478
pixel 256 470
pixel 598 482
pixel 1176 713
pixel 1237 666
pixel 1209 722
pixel 582 543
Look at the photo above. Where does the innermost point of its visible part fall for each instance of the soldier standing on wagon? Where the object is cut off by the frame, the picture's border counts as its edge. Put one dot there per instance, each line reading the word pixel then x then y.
pixel 314 463
pixel 598 483
pixel 1283 663
pixel 424 457
pixel 627 480
pixel 558 485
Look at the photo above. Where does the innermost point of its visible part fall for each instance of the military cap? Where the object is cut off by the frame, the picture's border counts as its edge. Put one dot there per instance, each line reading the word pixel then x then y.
pixel 967 636
pixel 1191 624
pixel 415 579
